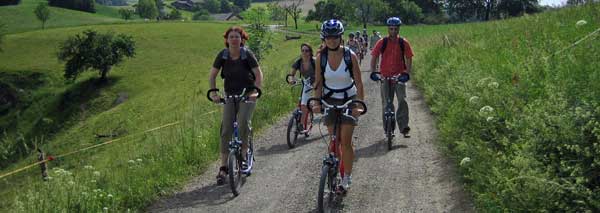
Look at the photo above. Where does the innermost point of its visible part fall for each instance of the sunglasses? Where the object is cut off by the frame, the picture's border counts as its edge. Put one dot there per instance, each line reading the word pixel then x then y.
pixel 393 28
pixel 305 50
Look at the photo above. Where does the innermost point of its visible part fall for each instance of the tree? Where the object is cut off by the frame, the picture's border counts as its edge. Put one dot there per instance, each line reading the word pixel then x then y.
pixel 226 6
pixel 242 4
pixel 276 12
pixel 294 9
pixel 366 10
pixel 202 15
pixel 126 13
pixel 213 6
pixel 42 13
pixel 175 14
pixel 93 50
pixel 260 36
pixel 147 9
pixel 160 7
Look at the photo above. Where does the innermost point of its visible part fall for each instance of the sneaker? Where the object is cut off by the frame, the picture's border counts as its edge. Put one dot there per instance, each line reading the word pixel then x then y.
pixel 244 165
pixel 222 175
pixel 345 185
pixel 405 132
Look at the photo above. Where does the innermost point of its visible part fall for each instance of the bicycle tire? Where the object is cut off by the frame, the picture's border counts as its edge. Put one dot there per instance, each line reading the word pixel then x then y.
pixel 235 172
pixel 325 199
pixel 250 155
pixel 292 132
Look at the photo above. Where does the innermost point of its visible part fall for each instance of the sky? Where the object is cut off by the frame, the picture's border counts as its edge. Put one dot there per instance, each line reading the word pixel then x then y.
pixel 552 2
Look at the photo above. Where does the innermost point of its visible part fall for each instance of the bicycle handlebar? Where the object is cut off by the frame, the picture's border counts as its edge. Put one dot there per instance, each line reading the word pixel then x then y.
pixel 343 106
pixel 243 94
pixel 402 78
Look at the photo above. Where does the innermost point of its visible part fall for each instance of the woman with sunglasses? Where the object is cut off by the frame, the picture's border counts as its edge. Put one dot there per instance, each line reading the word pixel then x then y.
pixel 337 82
pixel 306 65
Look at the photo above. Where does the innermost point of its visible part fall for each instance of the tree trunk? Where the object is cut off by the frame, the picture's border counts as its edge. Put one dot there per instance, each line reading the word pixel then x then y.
pixel 104 72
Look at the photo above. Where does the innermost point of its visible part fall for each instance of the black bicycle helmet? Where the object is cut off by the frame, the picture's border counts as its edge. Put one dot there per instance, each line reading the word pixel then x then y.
pixel 332 27
pixel 393 21
pixel 351 35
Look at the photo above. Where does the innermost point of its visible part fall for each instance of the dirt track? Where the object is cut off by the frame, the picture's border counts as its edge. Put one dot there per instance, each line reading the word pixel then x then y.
pixel 413 177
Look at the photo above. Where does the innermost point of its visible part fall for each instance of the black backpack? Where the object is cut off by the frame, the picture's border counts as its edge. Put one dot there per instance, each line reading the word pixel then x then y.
pixel 243 57
pixel 401 41
pixel 348 61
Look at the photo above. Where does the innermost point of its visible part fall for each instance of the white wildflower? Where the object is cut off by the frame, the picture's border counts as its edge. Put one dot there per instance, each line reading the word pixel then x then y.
pixel 488 119
pixel 93 181
pixel 96 173
pixel 581 23
pixel 139 160
pixel 465 160
pixel 109 196
pixel 485 110
pixel 474 99
pixel 105 208
pixel 131 161
pixel 493 85
pixel 71 182
pixel 88 167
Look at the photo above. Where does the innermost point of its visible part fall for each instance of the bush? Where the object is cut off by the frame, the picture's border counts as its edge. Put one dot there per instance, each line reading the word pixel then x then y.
pixel 202 15
pixel 174 15
pixel 126 13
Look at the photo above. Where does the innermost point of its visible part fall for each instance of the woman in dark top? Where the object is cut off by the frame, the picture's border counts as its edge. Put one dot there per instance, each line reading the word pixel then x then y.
pixel 306 65
pixel 239 69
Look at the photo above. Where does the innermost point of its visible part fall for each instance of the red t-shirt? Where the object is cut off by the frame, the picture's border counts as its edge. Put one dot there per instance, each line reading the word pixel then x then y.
pixel 390 63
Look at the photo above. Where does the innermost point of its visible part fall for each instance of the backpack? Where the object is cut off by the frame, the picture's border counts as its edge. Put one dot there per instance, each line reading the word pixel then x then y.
pixel 243 57
pixel 401 41
pixel 348 60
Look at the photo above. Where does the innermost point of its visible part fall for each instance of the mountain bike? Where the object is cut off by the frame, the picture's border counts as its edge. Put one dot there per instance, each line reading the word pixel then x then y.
pixel 234 159
pixel 295 126
pixel 389 116
pixel 332 170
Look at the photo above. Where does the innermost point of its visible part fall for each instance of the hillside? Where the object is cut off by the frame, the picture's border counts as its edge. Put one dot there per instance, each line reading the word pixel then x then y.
pixel 21 18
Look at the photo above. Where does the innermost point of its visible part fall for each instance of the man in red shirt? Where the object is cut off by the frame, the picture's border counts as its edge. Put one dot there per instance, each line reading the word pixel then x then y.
pixel 396 60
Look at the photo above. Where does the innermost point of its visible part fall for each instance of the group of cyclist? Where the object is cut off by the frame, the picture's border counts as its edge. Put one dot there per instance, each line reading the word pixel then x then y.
pixel 334 76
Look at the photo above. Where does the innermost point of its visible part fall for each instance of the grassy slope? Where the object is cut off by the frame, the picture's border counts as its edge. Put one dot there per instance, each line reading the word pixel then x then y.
pixel 536 148
pixel 165 82
pixel 59 17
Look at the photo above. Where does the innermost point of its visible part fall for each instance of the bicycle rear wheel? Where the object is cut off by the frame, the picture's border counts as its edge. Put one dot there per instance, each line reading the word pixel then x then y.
pixel 292 131
pixel 326 190
pixel 235 172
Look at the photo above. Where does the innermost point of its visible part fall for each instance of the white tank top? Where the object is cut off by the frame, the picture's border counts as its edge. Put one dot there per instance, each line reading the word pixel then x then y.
pixel 339 79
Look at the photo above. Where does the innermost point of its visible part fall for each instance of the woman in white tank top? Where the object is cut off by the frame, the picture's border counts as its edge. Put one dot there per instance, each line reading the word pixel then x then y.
pixel 336 77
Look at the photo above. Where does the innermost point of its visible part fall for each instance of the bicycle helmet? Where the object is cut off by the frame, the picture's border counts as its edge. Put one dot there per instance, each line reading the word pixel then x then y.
pixel 332 27
pixel 393 21
pixel 351 35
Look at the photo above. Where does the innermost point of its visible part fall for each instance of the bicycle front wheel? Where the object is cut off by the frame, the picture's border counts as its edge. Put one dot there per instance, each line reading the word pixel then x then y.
pixel 292 132
pixel 235 172
pixel 326 193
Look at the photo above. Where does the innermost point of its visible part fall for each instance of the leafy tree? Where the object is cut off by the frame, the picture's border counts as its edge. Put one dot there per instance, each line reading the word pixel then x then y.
pixel 126 13
pixel 175 15
pixel 147 9
pixel 276 11
pixel 328 9
pixel 160 7
pixel 226 6
pixel 213 6
pixel 42 13
pixel 517 7
pixel 260 36
pixel 93 50
pixel 294 9
pixel 366 10
pixel 242 4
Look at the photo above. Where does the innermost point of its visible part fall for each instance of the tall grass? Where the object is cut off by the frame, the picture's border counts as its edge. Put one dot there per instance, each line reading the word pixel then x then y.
pixel 522 122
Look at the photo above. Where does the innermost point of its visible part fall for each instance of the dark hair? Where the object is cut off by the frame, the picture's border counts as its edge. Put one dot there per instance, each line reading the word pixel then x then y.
pixel 309 47
pixel 238 29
